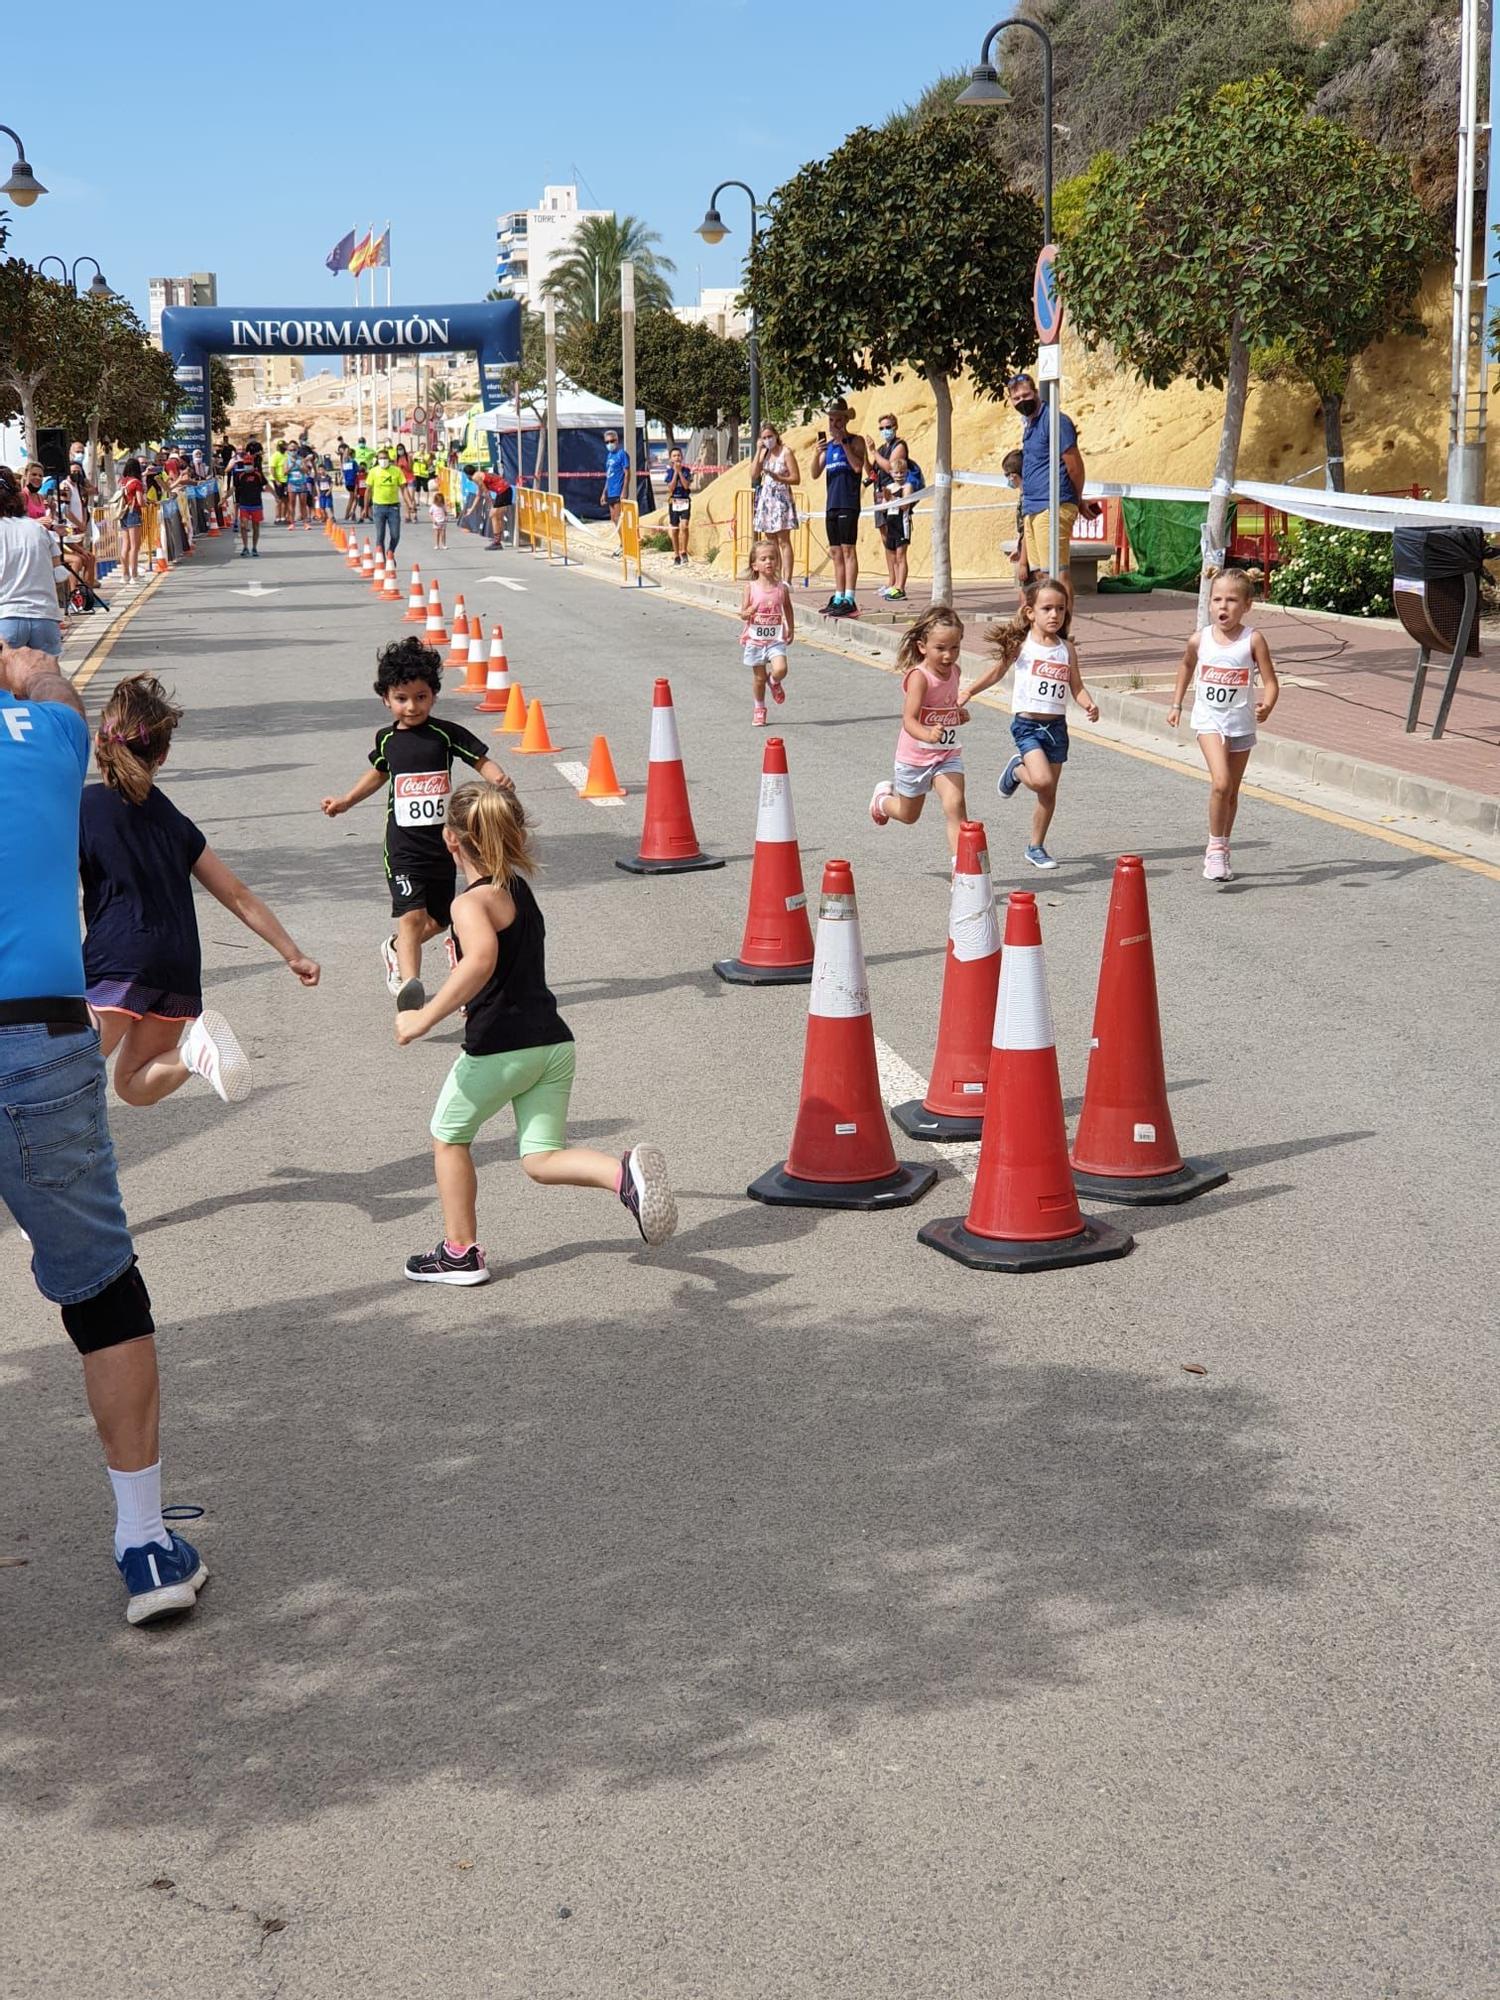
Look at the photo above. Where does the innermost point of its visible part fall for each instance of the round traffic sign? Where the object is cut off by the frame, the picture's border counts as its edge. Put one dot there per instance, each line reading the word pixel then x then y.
pixel 1046 300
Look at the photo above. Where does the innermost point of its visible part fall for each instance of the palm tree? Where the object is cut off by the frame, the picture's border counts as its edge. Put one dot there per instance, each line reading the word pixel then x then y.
pixel 586 282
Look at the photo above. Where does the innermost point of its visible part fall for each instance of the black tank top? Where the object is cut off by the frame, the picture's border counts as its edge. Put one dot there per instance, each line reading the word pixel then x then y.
pixel 514 1008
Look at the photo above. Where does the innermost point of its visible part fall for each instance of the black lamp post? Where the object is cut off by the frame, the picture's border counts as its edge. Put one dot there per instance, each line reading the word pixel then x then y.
pixel 712 230
pixel 22 187
pixel 97 287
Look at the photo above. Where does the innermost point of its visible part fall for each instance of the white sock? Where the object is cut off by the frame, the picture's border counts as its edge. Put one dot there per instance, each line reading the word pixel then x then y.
pixel 138 1509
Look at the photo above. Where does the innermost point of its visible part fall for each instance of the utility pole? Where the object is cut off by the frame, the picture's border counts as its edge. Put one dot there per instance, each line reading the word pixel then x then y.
pixel 627 369
pixel 1469 364
pixel 549 332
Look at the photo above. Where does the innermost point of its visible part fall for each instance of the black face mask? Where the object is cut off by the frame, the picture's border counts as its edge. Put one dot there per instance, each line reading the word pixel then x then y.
pixel 1029 405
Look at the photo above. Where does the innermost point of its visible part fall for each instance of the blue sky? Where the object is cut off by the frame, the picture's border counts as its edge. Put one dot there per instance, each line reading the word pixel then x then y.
pixel 344 115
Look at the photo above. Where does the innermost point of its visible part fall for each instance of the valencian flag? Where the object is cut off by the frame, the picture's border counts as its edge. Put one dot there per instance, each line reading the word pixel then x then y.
pixel 339 256
pixel 381 254
pixel 360 258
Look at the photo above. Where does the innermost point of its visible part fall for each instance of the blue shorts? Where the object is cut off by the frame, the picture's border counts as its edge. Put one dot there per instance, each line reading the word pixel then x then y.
pixel 57 1161
pixel 1047 733
pixel 43 633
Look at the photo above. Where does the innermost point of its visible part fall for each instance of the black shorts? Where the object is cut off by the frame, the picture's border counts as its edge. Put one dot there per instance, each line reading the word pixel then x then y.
pixel 842 527
pixel 679 513
pixel 419 482
pixel 280 486
pixel 426 887
pixel 895 528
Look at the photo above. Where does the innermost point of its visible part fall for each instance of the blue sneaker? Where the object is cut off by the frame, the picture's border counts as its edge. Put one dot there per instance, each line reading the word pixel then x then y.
pixel 1040 858
pixel 1010 777
pixel 161 1581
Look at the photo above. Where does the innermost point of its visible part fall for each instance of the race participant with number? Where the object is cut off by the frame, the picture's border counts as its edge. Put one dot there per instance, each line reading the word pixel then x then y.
pixel 1222 662
pixel 1036 643
pixel 927 752
pixel 679 504
pixel 770 625
pixel 413 760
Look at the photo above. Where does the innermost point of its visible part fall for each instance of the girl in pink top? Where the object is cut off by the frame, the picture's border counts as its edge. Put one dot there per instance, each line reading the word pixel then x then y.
pixel 770 625
pixel 927 752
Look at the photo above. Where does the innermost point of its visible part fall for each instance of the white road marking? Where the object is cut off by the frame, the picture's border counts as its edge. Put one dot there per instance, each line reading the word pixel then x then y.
pixel 257 590
pixel 506 582
pixel 577 776
pixel 899 1083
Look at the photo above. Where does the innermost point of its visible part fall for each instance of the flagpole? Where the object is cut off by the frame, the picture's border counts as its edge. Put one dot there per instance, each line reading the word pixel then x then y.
pixel 390 422
pixel 351 362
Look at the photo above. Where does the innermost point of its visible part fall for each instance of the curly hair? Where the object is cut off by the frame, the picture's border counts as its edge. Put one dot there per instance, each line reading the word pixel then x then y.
pixel 406 660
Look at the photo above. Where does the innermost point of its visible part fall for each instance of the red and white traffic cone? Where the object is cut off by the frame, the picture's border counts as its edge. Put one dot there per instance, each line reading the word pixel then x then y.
pixel 1126 1149
pixel 1024 1215
pixel 841 1153
pixel 367 561
pixel 497 676
pixel 954 1105
pixel 416 604
pixel 474 659
pixel 435 632
pixel 669 844
pixel 351 552
pixel 392 590
pixel 777 948
pixel 458 652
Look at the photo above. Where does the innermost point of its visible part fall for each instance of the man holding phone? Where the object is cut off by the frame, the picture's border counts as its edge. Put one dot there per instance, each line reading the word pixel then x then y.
pixel 842 456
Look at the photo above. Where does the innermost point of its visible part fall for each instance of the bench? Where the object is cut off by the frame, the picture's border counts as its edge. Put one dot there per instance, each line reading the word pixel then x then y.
pixel 1084 559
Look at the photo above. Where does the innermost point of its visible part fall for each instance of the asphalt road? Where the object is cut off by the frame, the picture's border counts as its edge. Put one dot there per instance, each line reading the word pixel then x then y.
pixel 789 1612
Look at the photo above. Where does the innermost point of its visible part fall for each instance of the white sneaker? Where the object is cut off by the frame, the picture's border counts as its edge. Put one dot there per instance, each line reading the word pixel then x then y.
pixel 393 979
pixel 210 1050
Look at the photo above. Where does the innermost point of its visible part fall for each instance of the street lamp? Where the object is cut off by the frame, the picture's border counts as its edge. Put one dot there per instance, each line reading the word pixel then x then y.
pixel 712 230
pixel 23 187
pixel 97 287
pixel 985 92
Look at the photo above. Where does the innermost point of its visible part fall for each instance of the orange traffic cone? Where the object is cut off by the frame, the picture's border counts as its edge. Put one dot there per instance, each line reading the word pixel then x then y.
pixel 1024 1215
pixel 601 782
pixel 777 948
pixel 514 723
pixel 458 652
pixel 392 591
pixel 669 844
pixel 536 742
pixel 954 1105
pixel 384 578
pixel 435 632
pixel 497 676
pixel 1126 1149
pixel 367 561
pixel 473 680
pixel 416 608
pixel 841 1153
pixel 351 552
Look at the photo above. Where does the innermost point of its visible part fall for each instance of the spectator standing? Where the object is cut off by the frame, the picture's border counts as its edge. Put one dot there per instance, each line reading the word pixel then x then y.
pixel 841 456
pixel 28 586
pixel 1036 465
pixel 130 504
pixel 1015 549
pixel 889 466
pixel 775 474
pixel 386 481
pixel 497 500
pixel 616 472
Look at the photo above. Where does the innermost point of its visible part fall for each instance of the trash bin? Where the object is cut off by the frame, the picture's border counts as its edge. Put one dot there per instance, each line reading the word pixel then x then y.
pixel 1435 590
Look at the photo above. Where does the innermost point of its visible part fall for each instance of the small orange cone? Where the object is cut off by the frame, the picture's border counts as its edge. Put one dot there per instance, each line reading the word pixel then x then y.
pixel 473 680
pixel 536 742
pixel 602 782
pixel 515 713
pixel 416 606
pixel 435 632
pixel 351 551
pixel 367 560
pixel 497 676
pixel 392 591
pixel 458 652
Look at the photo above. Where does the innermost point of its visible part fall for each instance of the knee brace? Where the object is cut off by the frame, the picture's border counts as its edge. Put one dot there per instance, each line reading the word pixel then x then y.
pixel 121 1312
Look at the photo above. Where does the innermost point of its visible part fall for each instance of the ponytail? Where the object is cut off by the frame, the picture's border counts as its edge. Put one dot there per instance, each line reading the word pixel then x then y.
pixel 135 734
pixel 491 822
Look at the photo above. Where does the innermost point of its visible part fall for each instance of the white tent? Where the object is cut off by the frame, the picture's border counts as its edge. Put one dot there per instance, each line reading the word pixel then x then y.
pixel 576 411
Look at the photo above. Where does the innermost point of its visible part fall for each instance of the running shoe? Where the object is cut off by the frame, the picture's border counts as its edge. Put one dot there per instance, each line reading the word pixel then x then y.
pixel 646 1191
pixel 758 715
pixel 393 979
pixel 244 552
pixel 831 607
pixel 256 554
pixel 413 994
pixel 161 1581
pixel 777 692
pixel 1009 782
pixel 845 608
pixel 884 790
pixel 1216 864
pixel 1040 858
pixel 210 1050
pixel 441 1267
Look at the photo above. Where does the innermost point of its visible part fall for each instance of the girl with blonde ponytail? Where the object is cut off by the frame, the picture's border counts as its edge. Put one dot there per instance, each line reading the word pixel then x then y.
pixel 517 1049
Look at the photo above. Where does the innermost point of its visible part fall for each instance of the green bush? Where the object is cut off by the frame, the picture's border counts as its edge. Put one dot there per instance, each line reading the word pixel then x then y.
pixel 660 543
pixel 1335 569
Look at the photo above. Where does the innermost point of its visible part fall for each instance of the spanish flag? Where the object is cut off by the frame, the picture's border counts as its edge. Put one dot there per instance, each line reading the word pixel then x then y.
pixel 362 255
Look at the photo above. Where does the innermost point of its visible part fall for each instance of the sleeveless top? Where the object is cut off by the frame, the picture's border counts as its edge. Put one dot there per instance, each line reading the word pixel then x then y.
pixel 939 710
pixel 766 625
pixel 1039 684
pixel 1224 683
pixel 515 1008
pixel 843 480
pixel 775 509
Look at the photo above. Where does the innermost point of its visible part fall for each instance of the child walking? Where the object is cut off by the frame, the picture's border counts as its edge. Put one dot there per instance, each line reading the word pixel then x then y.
pixel 1222 662
pixel 437 513
pixel 138 858
pixel 1037 644
pixel 927 752
pixel 413 760
pixel 770 625
pixel 517 1050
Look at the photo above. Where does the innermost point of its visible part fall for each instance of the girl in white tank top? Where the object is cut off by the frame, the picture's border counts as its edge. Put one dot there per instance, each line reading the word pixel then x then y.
pixel 1222 662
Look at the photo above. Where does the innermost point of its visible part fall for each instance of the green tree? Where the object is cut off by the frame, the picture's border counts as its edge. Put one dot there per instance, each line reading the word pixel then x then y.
pixel 1239 221
pixel 34 312
pixel 686 377
pixel 903 249
pixel 107 381
pixel 586 282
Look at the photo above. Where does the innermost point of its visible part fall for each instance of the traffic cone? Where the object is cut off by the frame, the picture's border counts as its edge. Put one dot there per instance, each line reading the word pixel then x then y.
pixel 377 578
pixel 1024 1215
pixel 954 1105
pixel 1126 1149
pixel 669 845
pixel 416 608
pixel 458 652
pixel 777 948
pixel 367 561
pixel 536 742
pixel 435 632
pixel 514 722
pixel 473 680
pixel 841 1154
pixel 351 552
pixel 601 782
pixel 497 676
pixel 392 591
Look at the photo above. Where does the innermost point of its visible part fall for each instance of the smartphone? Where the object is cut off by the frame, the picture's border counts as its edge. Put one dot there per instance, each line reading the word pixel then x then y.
pixel 822 437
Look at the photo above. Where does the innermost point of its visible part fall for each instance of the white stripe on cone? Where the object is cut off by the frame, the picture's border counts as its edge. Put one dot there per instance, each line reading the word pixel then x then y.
pixel 840 990
pixel 973 926
pixel 1023 1013
pixel 665 747
pixel 476 649
pixel 774 820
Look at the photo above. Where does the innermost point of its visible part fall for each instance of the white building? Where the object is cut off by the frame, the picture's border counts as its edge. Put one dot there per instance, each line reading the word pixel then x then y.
pixel 718 310
pixel 530 242
pixel 201 288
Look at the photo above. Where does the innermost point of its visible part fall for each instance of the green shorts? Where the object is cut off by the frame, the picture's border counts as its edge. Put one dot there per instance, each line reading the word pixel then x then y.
pixel 536 1081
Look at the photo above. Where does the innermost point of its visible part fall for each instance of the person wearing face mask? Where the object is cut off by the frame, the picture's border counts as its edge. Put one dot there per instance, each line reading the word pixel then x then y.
pixel 775 475
pixel 1026 401
pixel 386 480
pixel 889 466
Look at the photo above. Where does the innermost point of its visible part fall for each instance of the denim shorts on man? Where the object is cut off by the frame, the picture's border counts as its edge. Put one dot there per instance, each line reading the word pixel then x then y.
pixel 1047 733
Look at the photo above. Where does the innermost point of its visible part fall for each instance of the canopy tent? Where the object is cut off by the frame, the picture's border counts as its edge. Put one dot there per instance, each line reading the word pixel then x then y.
pixel 582 419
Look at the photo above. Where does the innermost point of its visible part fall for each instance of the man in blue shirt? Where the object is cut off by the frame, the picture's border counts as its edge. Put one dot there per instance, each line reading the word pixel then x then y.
pixel 616 472
pixel 1027 402
pixel 57 1162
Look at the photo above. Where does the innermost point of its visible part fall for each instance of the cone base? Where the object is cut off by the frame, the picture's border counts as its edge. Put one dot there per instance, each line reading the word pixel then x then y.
pixel 779 1189
pixel 738 973
pixel 1152 1190
pixel 1095 1243
pixel 620 793
pixel 637 865
pixel 938 1127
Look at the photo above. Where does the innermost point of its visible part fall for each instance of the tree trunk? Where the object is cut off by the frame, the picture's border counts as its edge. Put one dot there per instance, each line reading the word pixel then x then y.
pixel 1216 530
pixel 24 388
pixel 941 516
pixel 1333 443
pixel 91 470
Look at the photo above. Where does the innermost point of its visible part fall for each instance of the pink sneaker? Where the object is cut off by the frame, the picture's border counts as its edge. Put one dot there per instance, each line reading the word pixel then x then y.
pixel 884 790
pixel 758 715
pixel 777 693
pixel 1216 863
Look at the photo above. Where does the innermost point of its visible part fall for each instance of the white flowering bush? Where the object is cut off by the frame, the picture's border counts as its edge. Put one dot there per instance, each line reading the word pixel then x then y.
pixel 1335 569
